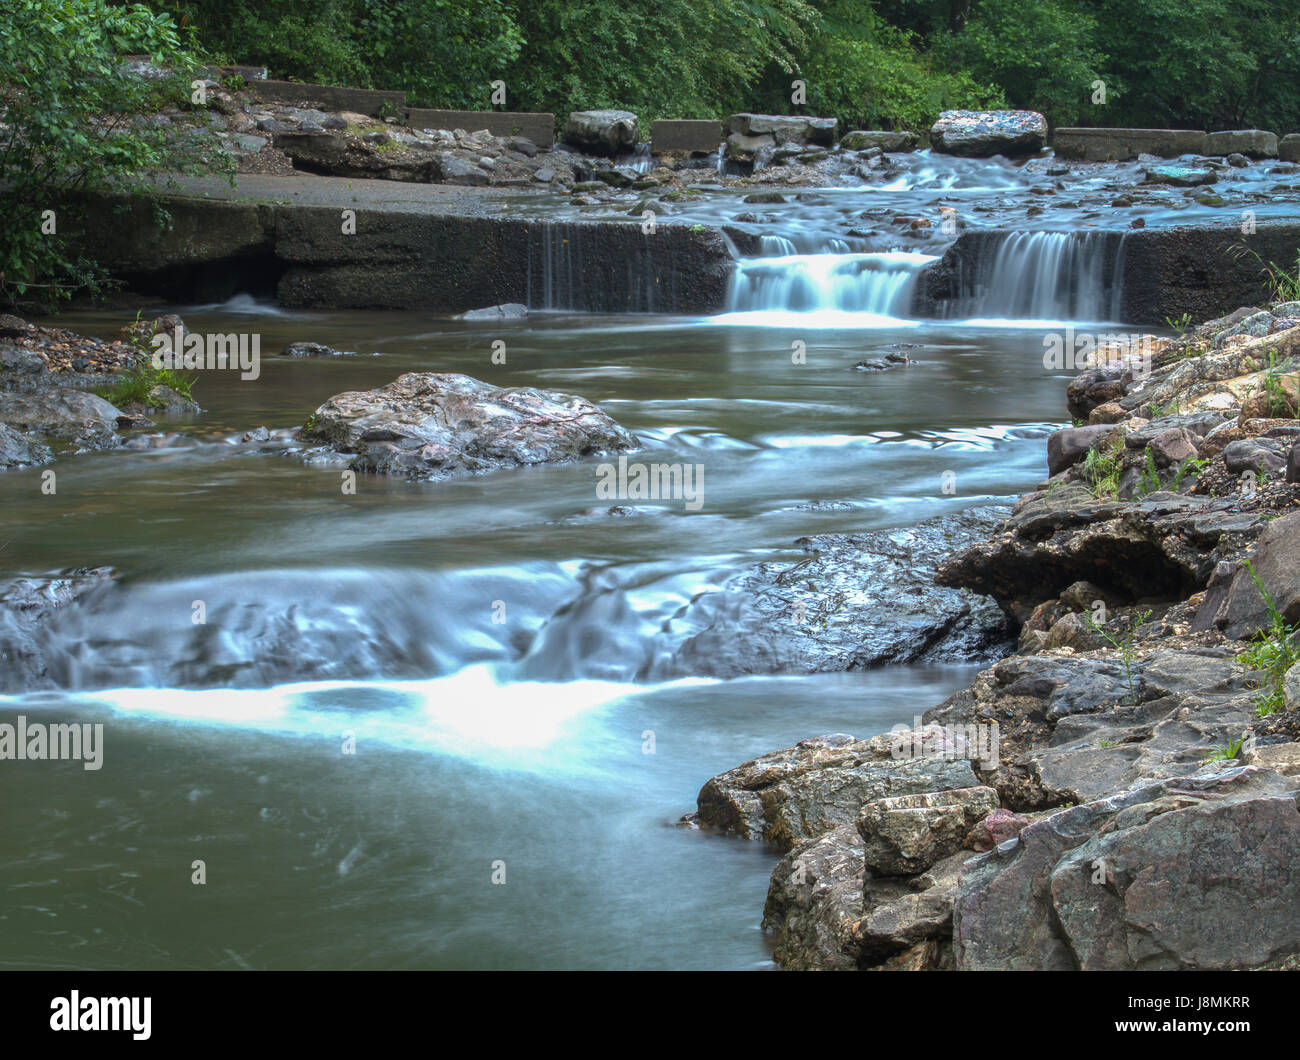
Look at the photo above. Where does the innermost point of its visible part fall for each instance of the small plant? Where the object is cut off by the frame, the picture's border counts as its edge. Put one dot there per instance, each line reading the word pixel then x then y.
pixel 1123 643
pixel 138 385
pixel 1101 469
pixel 1150 476
pixel 1283 283
pixel 1180 325
pixel 1191 466
pixel 1273 652
pixel 1225 754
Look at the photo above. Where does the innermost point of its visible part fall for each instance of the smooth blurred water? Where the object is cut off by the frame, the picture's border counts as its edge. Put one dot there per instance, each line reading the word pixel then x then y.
pixel 520 740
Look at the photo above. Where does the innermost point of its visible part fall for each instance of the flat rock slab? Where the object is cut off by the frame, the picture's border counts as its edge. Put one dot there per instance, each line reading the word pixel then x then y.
pixel 1121 145
pixel 433 425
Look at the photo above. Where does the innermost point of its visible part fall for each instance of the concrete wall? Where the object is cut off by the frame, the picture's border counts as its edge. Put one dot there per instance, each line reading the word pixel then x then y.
pixel 1120 145
pixel 359 100
pixel 403 259
pixel 665 136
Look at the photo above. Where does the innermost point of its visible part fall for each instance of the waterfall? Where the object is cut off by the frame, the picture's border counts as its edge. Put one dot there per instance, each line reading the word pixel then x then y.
pixel 880 284
pixel 1039 276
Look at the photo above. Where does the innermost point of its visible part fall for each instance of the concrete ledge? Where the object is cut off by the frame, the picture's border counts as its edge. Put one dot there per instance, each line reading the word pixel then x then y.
pixel 671 135
pixel 359 100
pixel 536 126
pixel 1120 145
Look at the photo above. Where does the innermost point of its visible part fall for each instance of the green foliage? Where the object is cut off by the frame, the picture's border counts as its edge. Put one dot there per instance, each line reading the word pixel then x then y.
pixel 1101 469
pixel 1228 753
pixel 1123 642
pixel 72 124
pixel 137 386
pixel 872 75
pixel 1273 653
pixel 1041 52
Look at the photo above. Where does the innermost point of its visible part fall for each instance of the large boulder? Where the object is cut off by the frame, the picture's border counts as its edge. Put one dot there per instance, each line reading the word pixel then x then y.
pixel 1288 149
pixel 886 140
pixel 981 133
pixel 1068 446
pixel 1189 873
pixel 801 792
pixel 904 835
pixel 432 425
pixel 601 132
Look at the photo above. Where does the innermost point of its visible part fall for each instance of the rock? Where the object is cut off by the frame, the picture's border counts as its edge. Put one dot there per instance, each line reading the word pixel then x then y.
pixel 1293 464
pixel 1256 143
pixel 1289 148
pixel 1181 176
pixel 1253 454
pixel 21 369
pixel 784 129
pixel 1192 872
pixel 995 829
pixel 981 133
pixel 1253 324
pixel 18 450
pixel 1236 606
pixel 140 333
pixel 1291 688
pixel 1237 161
pixel 28 607
pixel 741 148
pixel 764 197
pixel 813 900
pixel 506 311
pixel 312 349
pixel 826 917
pixel 601 132
pixel 1067 447
pixel 1170 448
pixel 862 139
pixel 799 793
pixel 856 601
pixel 1197 424
pixel 904 835
pixel 432 425
pixel 84 419
pixel 1097 386
pixel 451 169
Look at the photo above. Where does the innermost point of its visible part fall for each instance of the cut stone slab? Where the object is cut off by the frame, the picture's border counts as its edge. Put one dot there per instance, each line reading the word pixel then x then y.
pixel 982 133
pixel 1253 143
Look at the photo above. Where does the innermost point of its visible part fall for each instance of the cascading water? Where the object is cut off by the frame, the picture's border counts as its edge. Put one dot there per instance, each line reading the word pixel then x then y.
pixel 880 284
pixel 1039 276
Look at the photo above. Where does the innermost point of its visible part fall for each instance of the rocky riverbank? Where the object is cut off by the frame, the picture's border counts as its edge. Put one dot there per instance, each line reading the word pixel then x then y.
pixel 1121 791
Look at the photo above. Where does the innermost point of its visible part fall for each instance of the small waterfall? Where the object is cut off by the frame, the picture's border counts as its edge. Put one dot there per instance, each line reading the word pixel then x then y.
pixel 881 284
pixel 1039 276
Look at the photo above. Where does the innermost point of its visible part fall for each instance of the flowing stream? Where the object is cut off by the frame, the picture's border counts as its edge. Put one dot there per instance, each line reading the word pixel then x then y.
pixel 493 645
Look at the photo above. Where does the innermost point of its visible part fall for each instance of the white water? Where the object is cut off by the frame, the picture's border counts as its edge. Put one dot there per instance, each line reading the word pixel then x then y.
pixel 876 286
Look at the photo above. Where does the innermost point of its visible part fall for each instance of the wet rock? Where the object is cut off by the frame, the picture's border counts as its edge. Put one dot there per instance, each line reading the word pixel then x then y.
pixel 1181 176
pixel 813 901
pixel 981 133
pixel 19 450
pixel 433 425
pixel 85 420
pixel 1129 882
pixel 312 349
pixel 904 835
pixel 601 132
pixel 856 601
pixel 801 792
pixel 27 607
pixel 506 311
pixel 1097 386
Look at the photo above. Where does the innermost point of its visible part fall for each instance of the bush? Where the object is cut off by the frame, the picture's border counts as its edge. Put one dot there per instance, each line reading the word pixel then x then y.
pixel 72 124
